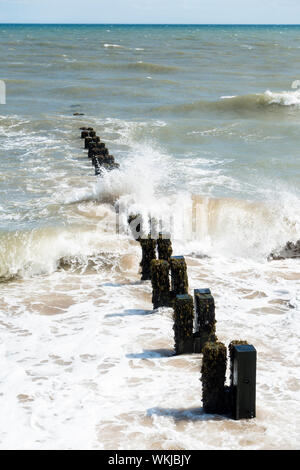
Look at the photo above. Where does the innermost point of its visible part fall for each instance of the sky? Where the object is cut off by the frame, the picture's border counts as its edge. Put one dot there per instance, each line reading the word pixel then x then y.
pixel 151 11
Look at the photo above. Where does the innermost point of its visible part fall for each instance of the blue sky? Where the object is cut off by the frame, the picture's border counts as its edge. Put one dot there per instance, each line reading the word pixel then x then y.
pixel 150 11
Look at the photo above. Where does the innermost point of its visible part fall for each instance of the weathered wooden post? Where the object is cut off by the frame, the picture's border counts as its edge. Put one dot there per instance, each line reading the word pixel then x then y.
pixel 213 377
pixel 160 283
pixel 87 141
pixel 148 254
pixel 97 149
pixel 164 247
pixel 242 379
pixel 183 324
pixel 179 279
pixel 84 134
pixel 205 321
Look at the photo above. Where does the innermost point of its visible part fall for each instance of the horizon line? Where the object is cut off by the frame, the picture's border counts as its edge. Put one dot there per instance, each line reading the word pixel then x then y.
pixel 150 24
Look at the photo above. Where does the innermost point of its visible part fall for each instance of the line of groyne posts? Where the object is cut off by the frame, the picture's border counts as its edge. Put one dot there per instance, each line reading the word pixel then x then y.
pixel 194 319
pixel 97 151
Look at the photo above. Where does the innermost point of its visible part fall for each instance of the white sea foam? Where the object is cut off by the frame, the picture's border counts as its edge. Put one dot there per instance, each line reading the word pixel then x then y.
pixel 117 46
pixel 284 98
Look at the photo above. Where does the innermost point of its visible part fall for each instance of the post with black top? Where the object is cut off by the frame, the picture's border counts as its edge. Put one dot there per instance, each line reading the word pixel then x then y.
pixel 205 320
pixel 213 377
pixel 160 283
pixel 243 380
pixel 179 279
pixel 148 254
pixel 183 324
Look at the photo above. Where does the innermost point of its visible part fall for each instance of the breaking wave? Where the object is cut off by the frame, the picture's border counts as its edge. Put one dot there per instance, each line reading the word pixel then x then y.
pixel 253 102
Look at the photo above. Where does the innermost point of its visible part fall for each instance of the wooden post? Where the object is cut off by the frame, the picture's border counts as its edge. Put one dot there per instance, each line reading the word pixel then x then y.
pixel 178 276
pixel 87 141
pixel 148 254
pixel 183 324
pixel 205 321
pixel 242 379
pixel 164 247
pixel 99 149
pixel 213 377
pixel 160 283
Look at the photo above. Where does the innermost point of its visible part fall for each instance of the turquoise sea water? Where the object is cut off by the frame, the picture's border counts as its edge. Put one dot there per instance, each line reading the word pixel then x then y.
pixel 200 118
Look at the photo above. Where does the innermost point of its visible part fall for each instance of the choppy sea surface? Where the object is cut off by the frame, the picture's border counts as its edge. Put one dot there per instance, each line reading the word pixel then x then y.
pixel 198 117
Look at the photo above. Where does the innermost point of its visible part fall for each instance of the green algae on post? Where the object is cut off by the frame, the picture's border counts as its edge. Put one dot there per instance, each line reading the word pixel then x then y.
pixel 213 372
pixel 148 254
pixel 160 283
pixel 183 323
pixel 205 321
pixel 179 277
pixel 164 247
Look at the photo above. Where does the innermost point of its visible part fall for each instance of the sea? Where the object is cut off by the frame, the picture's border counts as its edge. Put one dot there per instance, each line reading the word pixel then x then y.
pixel 205 124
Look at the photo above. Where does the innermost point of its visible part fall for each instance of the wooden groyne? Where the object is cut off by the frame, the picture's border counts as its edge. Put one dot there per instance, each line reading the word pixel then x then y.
pixel 97 151
pixel 194 325
pixel 194 320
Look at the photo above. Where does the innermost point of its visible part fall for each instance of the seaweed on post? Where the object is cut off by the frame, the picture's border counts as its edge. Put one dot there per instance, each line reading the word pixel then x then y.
pixel 164 247
pixel 159 270
pixel 148 254
pixel 213 372
pixel 183 323
pixel 205 320
pixel 179 278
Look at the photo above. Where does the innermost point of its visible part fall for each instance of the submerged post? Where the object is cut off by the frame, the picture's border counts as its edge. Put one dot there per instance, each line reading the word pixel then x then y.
pixel 205 320
pixel 160 283
pixel 178 276
pixel 164 247
pixel 183 324
pixel 148 254
pixel 213 372
pixel 243 379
